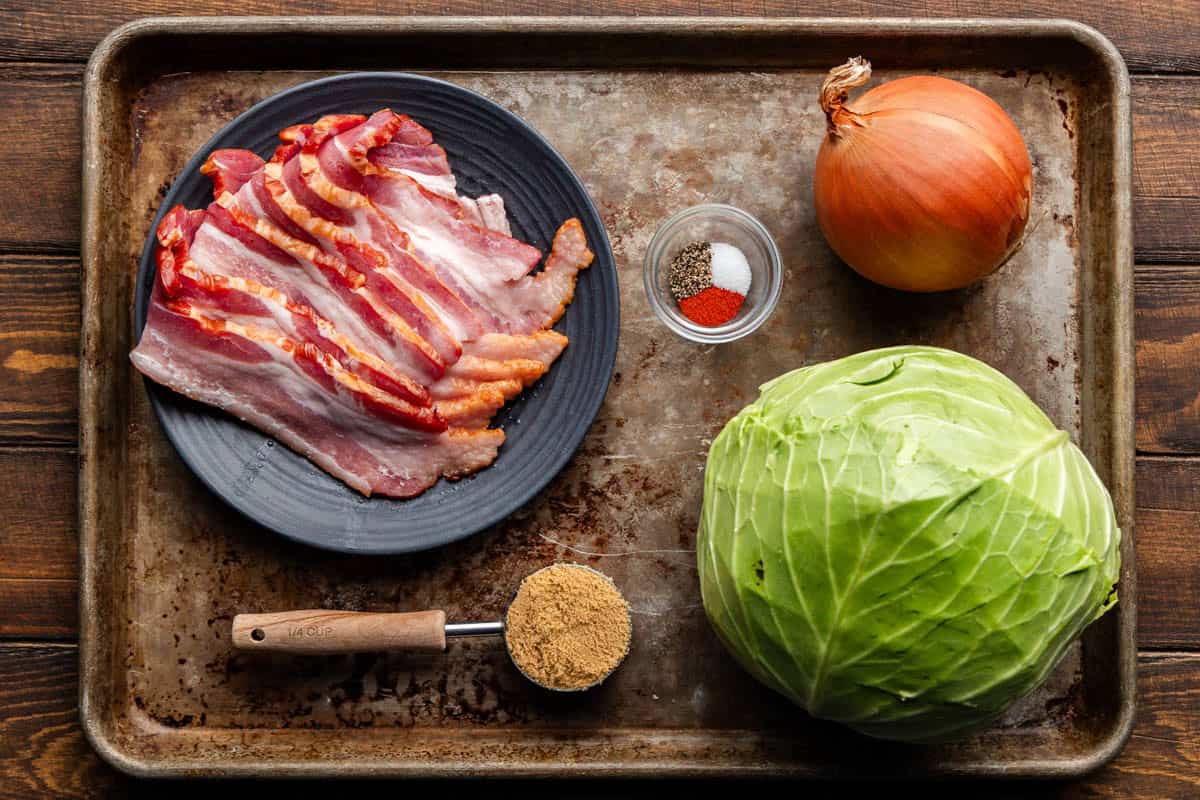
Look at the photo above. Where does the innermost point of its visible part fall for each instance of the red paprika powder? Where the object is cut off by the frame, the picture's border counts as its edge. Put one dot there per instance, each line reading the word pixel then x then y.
pixel 711 307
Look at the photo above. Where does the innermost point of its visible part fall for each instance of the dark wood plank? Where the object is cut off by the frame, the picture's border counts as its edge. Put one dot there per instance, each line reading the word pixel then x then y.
pixel 1168 519
pixel 1162 758
pixel 38 534
pixel 39 608
pixel 43 752
pixel 1166 169
pixel 1154 37
pixel 1168 359
pixel 38 544
pixel 39 164
pixel 39 346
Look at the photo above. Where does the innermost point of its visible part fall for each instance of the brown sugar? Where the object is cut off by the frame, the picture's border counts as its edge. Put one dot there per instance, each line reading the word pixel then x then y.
pixel 568 627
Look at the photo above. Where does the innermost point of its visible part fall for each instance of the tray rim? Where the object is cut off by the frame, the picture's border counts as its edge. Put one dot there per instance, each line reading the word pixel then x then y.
pixel 1121 448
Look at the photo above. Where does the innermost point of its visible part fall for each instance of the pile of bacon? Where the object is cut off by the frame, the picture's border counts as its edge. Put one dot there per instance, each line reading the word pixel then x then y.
pixel 344 299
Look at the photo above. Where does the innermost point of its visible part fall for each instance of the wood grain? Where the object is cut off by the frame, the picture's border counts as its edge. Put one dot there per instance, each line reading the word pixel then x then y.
pixel 38 534
pixel 1168 519
pixel 38 544
pixel 1168 359
pixel 1166 169
pixel 39 608
pixel 39 347
pixel 40 162
pixel 1156 37
pixel 329 631
pixel 43 752
pixel 1162 759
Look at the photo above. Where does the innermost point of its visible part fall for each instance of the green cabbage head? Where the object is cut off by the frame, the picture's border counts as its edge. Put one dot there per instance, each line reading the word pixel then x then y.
pixel 902 541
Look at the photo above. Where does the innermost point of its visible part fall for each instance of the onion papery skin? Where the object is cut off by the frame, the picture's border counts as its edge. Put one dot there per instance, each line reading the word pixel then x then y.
pixel 924 184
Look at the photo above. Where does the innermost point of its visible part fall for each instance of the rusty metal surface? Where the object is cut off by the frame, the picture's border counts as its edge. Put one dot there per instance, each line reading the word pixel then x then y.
pixel 166 565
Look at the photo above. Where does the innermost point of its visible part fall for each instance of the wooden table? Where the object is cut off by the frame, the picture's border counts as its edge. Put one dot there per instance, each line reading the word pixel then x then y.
pixel 42 52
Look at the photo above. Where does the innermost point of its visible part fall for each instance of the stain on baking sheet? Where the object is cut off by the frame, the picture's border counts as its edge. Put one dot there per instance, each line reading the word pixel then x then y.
pixel 646 144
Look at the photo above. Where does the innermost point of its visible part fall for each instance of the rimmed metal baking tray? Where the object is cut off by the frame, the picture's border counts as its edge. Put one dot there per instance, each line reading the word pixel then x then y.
pixel 655 115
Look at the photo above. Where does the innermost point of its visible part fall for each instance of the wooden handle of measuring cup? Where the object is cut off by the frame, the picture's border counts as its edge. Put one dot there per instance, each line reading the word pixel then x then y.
pixel 329 632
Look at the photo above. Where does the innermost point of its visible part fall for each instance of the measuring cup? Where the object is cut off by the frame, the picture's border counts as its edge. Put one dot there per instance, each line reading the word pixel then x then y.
pixel 328 632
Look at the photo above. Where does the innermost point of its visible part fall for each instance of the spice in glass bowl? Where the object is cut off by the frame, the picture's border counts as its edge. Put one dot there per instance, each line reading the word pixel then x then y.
pixel 709 281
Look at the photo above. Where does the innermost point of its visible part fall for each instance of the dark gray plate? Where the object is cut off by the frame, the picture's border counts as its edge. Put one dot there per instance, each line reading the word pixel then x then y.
pixel 490 150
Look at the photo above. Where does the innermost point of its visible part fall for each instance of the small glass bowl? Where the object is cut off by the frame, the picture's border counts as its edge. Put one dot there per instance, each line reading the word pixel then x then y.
pixel 714 222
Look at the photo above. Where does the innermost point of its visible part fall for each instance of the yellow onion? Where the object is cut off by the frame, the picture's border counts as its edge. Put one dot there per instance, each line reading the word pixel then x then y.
pixel 924 185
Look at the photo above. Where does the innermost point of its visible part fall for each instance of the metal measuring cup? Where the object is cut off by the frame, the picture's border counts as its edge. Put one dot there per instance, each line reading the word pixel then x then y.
pixel 328 632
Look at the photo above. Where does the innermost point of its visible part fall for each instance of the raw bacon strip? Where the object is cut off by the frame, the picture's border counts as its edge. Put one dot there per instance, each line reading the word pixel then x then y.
pixel 176 232
pixel 184 291
pixel 440 236
pixel 471 212
pixel 350 151
pixel 428 159
pixel 406 301
pixel 384 262
pixel 458 315
pixel 538 301
pixel 329 214
pixel 230 169
pixel 485 370
pixel 238 298
pixel 554 286
pixel 355 445
pixel 266 210
pixel 411 131
pixel 492 213
pixel 376 234
pixel 480 260
pixel 333 282
pixel 427 165
pixel 461 284
pixel 183 237
pixel 330 173
pixel 492 371
pixel 497 359
pixel 332 225
pixel 544 346
pixel 477 409
pixel 486 212
pixel 319 365
pixel 222 220
pixel 424 163
pixel 382 128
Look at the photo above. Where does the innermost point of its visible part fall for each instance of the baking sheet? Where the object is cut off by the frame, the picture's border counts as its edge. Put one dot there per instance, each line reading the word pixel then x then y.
pixel 654 116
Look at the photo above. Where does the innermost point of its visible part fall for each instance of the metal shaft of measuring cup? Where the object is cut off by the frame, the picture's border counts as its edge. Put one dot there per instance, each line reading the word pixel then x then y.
pixel 474 628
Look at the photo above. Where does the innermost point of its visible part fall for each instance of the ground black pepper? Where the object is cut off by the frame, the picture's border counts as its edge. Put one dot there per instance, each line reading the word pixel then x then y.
pixel 691 271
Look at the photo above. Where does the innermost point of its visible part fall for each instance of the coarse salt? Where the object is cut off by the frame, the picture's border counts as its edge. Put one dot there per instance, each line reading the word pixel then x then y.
pixel 730 269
